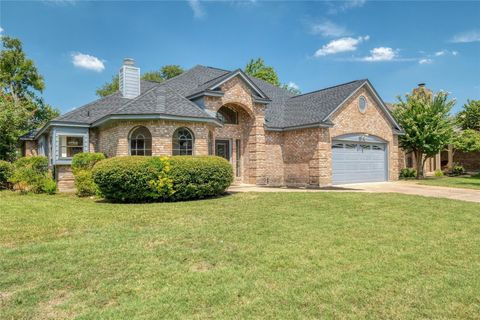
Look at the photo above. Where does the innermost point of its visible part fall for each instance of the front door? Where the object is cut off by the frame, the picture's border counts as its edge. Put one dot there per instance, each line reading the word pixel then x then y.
pixel 222 149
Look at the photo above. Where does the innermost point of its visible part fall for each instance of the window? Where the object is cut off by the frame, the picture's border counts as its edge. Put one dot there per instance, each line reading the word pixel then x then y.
pixel 182 142
pixel 227 115
pixel 70 146
pixel 362 104
pixel 140 142
pixel 377 147
pixel 365 146
pixel 350 146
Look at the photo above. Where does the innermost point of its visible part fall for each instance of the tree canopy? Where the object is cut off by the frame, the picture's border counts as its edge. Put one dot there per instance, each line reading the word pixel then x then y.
pixel 469 117
pixel 466 141
pixel 258 69
pixel 428 127
pixel 166 72
pixel 21 107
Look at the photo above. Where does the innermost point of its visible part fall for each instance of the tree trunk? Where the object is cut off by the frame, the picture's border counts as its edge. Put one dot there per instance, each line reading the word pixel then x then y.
pixel 419 162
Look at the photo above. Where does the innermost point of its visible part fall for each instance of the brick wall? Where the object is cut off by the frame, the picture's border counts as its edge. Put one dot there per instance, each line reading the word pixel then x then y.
pixel 113 138
pixel 30 148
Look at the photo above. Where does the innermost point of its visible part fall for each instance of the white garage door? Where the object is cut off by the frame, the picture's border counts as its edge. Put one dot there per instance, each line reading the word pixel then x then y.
pixel 355 162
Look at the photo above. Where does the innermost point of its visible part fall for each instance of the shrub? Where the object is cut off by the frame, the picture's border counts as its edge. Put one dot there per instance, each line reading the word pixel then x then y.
pixel 199 177
pixel 406 173
pixel 6 172
pixel 128 179
pixel 143 179
pixel 438 173
pixel 86 160
pixel 82 164
pixel 458 170
pixel 32 174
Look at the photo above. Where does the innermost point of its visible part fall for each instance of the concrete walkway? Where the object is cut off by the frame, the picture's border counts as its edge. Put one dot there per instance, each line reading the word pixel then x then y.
pixel 405 187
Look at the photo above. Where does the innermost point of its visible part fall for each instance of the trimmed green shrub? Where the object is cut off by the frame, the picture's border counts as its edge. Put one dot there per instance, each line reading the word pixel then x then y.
pixel 86 160
pixel 145 179
pixel 128 179
pixel 458 170
pixel 199 177
pixel 31 174
pixel 6 172
pixel 82 164
pixel 438 173
pixel 406 173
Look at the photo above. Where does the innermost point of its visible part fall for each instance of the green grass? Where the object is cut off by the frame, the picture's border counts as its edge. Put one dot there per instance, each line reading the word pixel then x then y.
pixel 253 255
pixel 472 182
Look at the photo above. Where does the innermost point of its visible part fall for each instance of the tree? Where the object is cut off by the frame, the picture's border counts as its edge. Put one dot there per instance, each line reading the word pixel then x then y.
pixel 166 72
pixel 258 69
pixel 427 125
pixel 466 141
pixel 170 71
pixel 18 75
pixel 469 117
pixel 21 109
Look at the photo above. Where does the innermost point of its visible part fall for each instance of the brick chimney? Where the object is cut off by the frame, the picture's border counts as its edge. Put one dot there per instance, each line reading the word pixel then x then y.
pixel 129 77
pixel 422 90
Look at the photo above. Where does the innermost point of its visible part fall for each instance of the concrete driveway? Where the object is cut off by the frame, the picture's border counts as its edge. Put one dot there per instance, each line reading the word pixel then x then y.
pixel 404 187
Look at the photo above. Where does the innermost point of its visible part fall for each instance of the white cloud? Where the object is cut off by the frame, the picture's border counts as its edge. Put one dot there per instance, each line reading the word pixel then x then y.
pixel 381 54
pixel 87 61
pixel 440 53
pixel 467 36
pixel 455 53
pixel 345 5
pixel 293 85
pixel 340 45
pixel 425 61
pixel 1 30
pixel 198 11
pixel 329 29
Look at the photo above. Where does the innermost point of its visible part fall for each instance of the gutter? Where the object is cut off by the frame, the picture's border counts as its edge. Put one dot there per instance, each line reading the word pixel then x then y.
pixel 154 117
pixel 306 126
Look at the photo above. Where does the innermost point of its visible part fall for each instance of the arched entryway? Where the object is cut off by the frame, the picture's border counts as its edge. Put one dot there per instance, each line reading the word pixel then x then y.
pixel 232 141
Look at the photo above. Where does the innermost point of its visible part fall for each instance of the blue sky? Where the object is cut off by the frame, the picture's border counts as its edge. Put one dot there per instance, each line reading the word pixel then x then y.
pixel 79 45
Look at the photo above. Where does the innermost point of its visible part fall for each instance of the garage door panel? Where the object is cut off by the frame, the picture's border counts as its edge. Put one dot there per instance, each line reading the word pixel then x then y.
pixel 358 162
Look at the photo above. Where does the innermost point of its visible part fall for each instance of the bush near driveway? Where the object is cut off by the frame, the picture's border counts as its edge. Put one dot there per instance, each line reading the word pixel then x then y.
pixel 31 174
pixel 147 179
pixel 82 164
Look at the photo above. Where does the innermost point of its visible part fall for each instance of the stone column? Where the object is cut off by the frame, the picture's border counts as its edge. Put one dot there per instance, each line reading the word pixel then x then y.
pixel 256 143
pixel 450 156
pixel 324 158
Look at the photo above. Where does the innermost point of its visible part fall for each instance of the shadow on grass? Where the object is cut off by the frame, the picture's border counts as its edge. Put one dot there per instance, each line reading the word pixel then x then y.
pixel 108 201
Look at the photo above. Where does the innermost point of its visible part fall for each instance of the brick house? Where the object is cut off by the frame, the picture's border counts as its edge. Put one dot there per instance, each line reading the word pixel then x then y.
pixel 337 135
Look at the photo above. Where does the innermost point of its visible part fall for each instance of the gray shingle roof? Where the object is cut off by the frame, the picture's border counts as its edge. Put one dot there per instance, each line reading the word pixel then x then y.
pixel 284 109
pixel 315 106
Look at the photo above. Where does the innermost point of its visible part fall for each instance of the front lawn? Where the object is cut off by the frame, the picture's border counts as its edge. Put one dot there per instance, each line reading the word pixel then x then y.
pixel 472 182
pixel 251 255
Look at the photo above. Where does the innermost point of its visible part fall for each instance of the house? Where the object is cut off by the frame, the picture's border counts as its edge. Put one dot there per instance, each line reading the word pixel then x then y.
pixel 337 135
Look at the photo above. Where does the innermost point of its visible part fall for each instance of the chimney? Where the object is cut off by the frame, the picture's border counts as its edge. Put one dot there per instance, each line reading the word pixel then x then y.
pixel 421 85
pixel 129 77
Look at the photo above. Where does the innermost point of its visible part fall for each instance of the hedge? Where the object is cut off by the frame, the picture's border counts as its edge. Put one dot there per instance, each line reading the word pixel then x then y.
pixel 82 164
pixel 32 174
pixel 6 172
pixel 147 179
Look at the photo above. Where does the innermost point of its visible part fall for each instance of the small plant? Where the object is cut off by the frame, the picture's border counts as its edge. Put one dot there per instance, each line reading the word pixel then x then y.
pixel 82 164
pixel 6 172
pixel 31 174
pixel 458 170
pixel 408 173
pixel 438 173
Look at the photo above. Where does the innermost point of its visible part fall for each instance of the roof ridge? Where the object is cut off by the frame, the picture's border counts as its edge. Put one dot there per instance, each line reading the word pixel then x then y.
pixel 137 97
pixel 331 87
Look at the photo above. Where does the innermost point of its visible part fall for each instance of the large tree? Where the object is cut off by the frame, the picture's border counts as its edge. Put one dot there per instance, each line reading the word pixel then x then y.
pixel 21 107
pixel 466 141
pixel 166 72
pixel 428 127
pixel 469 117
pixel 258 69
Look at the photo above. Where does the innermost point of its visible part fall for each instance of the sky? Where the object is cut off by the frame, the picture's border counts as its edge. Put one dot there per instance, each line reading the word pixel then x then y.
pixel 79 45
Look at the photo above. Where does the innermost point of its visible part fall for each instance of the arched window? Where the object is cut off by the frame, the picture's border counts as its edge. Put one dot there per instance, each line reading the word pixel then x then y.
pixel 182 142
pixel 227 115
pixel 140 142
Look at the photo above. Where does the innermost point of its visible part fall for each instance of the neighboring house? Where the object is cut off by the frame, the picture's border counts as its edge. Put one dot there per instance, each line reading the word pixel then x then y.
pixel 341 134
